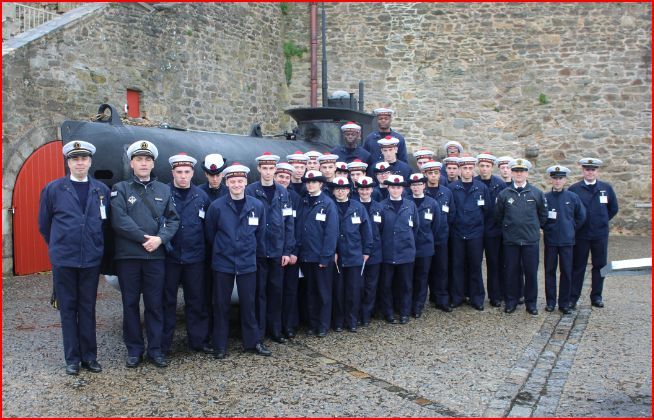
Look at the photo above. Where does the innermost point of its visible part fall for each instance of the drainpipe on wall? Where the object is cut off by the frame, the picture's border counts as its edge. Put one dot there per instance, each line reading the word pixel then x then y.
pixel 314 54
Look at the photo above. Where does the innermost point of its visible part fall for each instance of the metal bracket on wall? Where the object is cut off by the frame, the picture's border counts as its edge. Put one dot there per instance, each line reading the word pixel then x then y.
pixel 147 7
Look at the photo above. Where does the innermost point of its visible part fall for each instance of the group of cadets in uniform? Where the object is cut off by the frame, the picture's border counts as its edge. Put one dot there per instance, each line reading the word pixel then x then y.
pixel 324 240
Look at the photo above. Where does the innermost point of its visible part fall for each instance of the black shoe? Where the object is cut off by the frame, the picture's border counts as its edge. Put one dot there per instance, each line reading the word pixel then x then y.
pixel 290 334
pixel 92 366
pixel 477 307
pixel 159 361
pixel 521 301
pixel 352 329
pixel 321 333
pixel 391 320
pixel 549 308
pixel 404 320
pixel 566 311
pixel 260 349
pixel 338 329
pixel 509 309
pixel 532 311
pixel 444 308
pixel 597 303
pixel 574 306
pixel 311 331
pixel 417 315
pixel 365 323
pixel 133 361
pixel 206 349
pixel 455 305
pixel 72 369
pixel 219 354
pixel 278 339
pixel 495 303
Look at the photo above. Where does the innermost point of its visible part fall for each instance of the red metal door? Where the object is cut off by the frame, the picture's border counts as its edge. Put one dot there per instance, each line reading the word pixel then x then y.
pixel 133 99
pixel 43 166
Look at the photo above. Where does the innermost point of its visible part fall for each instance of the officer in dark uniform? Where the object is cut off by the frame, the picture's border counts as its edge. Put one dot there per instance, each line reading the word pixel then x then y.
pixel 280 242
pixel 213 166
pixel 453 149
pixel 492 230
pixel 185 259
pixel 316 235
pixel 593 236
pixel 429 214
pixel 364 187
pixel 299 162
pixel 290 309
pixel 472 201
pixel 399 228
pixel 235 224
pixel 350 149
pixel 521 209
pixel 566 214
pixel 73 219
pixel 439 280
pixel 384 118
pixel 144 219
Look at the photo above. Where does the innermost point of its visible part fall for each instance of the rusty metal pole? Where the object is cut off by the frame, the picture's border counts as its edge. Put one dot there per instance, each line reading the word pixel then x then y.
pixel 314 54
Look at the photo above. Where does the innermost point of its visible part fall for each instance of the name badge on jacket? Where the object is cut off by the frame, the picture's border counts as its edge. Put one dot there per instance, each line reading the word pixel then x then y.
pixel 287 211
pixel 376 218
pixel 356 220
pixel 551 214
pixel 201 214
pixel 103 210
pixel 253 220
pixel 410 221
pixel 445 208
pixel 480 202
pixel 321 217
pixel 604 199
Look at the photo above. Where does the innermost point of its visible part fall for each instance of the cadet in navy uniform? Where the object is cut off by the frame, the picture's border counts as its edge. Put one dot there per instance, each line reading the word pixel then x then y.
pixel 299 162
pixel 280 242
pixel 350 149
pixel 388 147
pixel 505 171
pixel 384 118
pixel 327 164
pixel 453 149
pixel 144 218
pixel 566 214
pixel 452 171
pixel 356 170
pixel 185 260
pixel 73 219
pixel 213 166
pixel 438 272
pixel 352 251
pixel 312 160
pixel 317 234
pixel 382 172
pixel 472 200
pixel 235 224
pixel 364 187
pixel 290 313
pixel 429 214
pixel 399 228
pixel 422 156
pixel 492 230
pixel 593 236
pixel 522 210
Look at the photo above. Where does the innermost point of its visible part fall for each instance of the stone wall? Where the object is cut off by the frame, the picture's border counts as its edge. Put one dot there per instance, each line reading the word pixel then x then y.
pixel 201 66
pixel 559 81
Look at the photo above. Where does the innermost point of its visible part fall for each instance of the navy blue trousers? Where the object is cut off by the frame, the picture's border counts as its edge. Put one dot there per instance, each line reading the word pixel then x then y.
pixel 76 290
pixel 145 277
pixel 223 284
pixel 369 292
pixel 494 283
pixel 191 276
pixel 347 296
pixel 599 249
pixel 270 292
pixel 554 257
pixel 420 281
pixel 515 258
pixel 438 278
pixel 290 315
pixel 402 275
pixel 467 271
pixel 319 295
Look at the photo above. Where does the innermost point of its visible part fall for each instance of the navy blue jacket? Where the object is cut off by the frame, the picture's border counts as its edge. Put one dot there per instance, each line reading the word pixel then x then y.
pixel 448 211
pixel 300 189
pixel 399 231
pixel 371 145
pixel 132 218
pixel 189 243
pixel 280 225
pixel 236 243
pixel 570 216
pixel 316 240
pixel 597 214
pixel 75 238
pixel 348 155
pixel 521 214
pixel 492 229
pixel 470 215
pixel 214 193
pixel 354 239
pixel 375 216
pixel 429 213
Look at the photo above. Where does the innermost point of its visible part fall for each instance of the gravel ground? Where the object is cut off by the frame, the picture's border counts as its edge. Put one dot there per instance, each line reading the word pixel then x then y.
pixel 596 362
